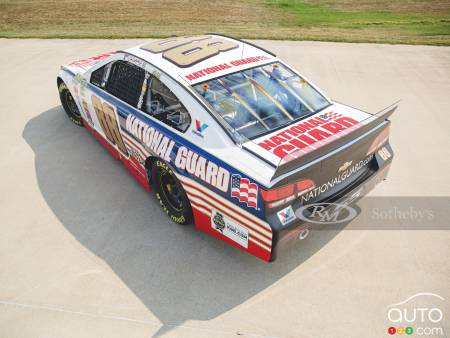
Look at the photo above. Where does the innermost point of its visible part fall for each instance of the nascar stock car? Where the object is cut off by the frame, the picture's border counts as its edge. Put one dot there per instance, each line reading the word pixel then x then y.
pixel 230 138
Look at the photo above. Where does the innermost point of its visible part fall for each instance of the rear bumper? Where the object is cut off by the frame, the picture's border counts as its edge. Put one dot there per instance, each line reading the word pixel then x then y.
pixel 288 237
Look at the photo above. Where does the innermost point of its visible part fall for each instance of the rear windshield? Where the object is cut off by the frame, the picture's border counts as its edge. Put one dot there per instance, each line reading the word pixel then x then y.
pixel 258 100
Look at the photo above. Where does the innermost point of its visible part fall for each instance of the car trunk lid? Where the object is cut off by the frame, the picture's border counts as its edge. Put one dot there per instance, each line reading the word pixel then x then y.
pixel 330 162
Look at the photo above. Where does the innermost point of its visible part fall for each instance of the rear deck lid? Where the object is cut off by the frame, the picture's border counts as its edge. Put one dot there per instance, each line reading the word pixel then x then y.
pixel 327 166
pixel 338 133
pixel 307 135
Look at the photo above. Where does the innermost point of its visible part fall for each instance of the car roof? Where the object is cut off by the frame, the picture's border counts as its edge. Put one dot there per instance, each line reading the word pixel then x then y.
pixel 238 55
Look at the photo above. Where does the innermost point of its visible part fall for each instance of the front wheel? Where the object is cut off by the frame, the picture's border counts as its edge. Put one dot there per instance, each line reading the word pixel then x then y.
pixel 170 193
pixel 69 104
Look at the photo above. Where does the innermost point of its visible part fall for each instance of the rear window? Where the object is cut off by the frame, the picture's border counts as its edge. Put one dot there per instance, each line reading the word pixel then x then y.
pixel 261 99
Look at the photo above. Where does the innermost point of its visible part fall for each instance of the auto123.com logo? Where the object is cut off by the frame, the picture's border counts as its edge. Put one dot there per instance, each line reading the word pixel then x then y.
pixel 419 315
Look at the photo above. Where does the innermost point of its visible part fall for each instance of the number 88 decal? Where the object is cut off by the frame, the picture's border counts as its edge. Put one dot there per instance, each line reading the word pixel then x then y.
pixel 186 51
pixel 107 118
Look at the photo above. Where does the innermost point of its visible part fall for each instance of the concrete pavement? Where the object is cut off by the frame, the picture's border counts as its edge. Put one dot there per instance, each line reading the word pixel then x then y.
pixel 85 252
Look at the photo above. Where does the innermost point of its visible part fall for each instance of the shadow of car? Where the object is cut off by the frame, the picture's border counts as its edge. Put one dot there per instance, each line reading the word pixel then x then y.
pixel 179 273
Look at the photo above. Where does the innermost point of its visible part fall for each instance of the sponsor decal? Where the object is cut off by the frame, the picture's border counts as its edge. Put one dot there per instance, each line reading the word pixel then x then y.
pixel 384 154
pixel 199 128
pixel 341 177
pixel 152 139
pixel 229 228
pixel 244 191
pixel 135 60
pixel 79 80
pixel 286 215
pixel 75 89
pixel 136 155
pixel 219 222
pixel 419 314
pixel 208 171
pixel 224 66
pixel 90 61
pixel 298 139
pixel 185 159
pixel 326 213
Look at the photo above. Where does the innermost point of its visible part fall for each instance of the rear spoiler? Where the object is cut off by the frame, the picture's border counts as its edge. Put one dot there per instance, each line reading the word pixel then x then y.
pixel 298 164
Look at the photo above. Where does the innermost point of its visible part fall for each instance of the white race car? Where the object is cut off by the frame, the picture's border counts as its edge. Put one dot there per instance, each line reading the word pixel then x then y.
pixel 231 138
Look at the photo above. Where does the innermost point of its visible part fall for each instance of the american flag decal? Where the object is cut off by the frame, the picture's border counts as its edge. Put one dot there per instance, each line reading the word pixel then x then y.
pixel 330 115
pixel 245 191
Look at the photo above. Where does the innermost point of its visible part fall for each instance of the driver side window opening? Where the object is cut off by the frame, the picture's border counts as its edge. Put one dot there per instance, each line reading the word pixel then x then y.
pixel 159 102
pixel 125 82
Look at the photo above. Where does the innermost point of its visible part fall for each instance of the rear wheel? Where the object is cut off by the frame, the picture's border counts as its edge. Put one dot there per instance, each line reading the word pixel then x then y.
pixel 170 193
pixel 69 104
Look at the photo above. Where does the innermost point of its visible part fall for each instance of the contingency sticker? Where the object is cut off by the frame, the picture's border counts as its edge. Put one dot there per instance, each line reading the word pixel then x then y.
pixel 286 215
pixel 229 228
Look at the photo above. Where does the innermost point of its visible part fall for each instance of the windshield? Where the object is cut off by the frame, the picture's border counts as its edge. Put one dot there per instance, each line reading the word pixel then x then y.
pixel 258 100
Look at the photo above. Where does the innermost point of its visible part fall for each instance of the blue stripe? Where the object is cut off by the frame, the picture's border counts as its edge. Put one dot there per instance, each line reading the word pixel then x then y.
pixel 123 110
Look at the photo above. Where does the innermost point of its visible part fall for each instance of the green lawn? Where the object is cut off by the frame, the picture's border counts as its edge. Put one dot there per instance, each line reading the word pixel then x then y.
pixel 395 21
pixel 375 21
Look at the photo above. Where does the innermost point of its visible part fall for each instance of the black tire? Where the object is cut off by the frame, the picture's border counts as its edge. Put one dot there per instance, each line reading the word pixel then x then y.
pixel 170 194
pixel 69 104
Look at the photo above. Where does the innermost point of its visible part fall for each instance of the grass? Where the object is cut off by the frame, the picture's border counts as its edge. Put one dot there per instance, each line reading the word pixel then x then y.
pixel 407 21
pixel 395 21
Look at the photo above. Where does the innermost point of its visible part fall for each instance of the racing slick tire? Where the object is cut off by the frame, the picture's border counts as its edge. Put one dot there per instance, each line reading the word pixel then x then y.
pixel 170 194
pixel 69 104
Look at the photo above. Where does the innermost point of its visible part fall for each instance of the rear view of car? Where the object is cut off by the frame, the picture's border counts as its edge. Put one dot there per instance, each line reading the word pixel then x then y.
pixel 320 151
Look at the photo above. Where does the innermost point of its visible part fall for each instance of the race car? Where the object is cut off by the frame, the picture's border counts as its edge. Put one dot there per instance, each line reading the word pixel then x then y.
pixel 228 136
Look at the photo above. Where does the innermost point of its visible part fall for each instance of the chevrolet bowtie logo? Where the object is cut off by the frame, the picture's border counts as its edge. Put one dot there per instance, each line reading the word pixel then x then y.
pixel 344 166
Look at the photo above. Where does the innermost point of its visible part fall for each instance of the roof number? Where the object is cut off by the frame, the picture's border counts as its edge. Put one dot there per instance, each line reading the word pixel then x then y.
pixel 186 51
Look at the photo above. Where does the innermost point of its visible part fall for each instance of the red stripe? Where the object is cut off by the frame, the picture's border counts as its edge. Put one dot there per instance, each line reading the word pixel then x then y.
pixel 253 237
pixel 234 218
pixel 203 223
pixel 130 145
pixel 215 199
pixel 136 144
pixel 226 212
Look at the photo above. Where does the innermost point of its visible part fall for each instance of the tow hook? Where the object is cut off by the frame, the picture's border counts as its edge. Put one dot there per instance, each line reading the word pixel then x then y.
pixel 303 234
